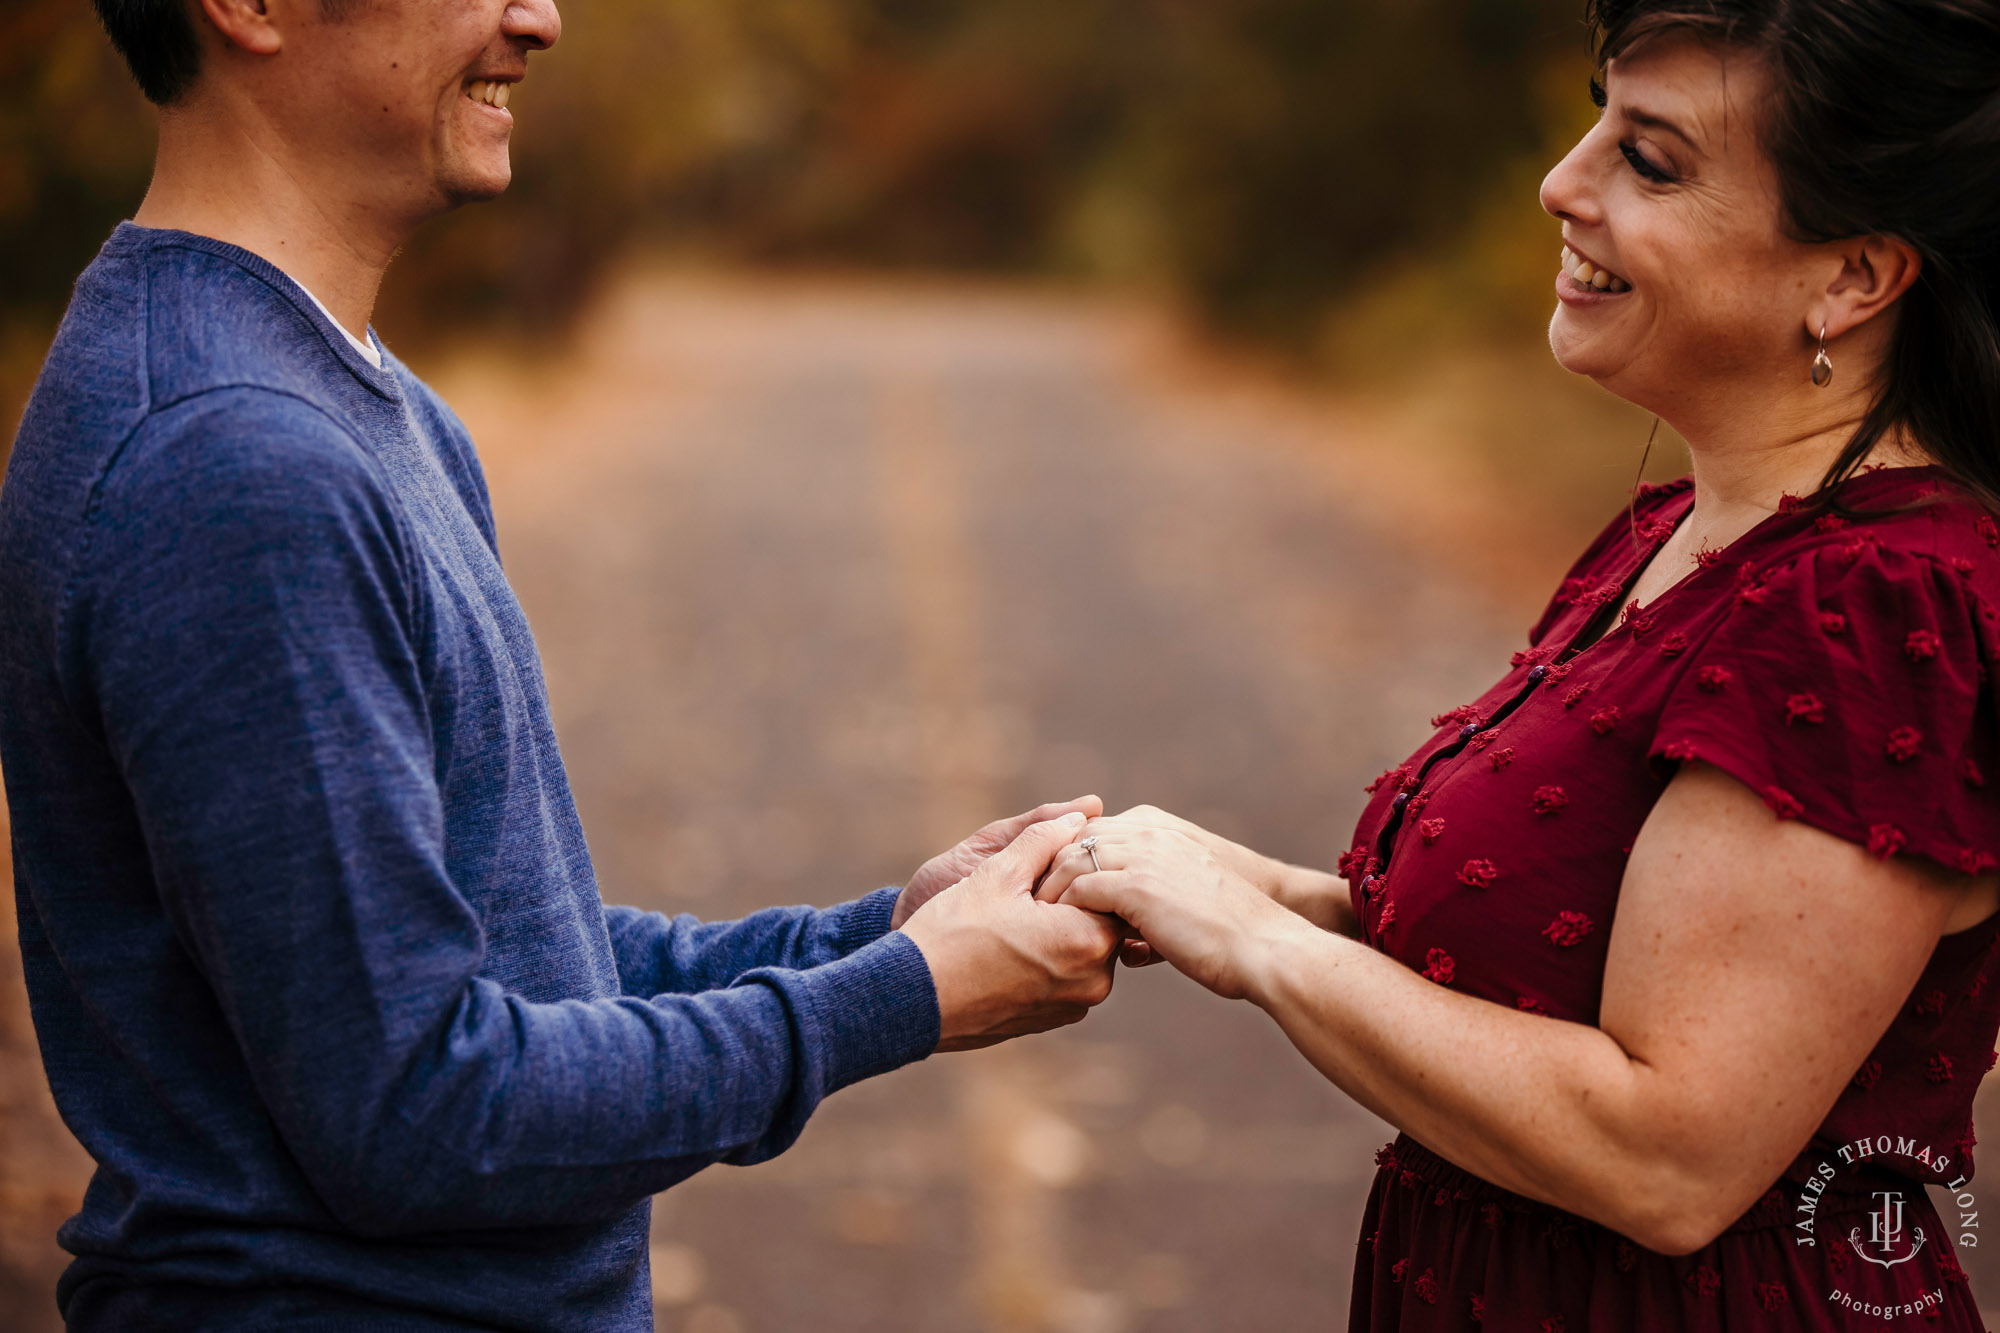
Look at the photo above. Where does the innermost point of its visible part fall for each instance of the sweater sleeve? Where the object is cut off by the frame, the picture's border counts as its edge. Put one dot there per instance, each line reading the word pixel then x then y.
pixel 245 628
pixel 658 954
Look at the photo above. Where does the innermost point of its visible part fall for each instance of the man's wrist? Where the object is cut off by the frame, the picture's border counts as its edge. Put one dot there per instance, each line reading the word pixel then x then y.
pixel 855 925
pixel 872 1011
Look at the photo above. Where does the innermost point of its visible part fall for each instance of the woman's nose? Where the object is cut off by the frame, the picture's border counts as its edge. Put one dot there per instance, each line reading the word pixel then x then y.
pixel 1567 190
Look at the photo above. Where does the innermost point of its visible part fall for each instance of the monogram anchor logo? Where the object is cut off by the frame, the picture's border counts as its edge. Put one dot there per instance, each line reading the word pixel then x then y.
pixel 1885 1232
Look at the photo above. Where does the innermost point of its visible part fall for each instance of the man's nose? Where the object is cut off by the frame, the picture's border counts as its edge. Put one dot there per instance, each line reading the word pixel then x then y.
pixel 532 22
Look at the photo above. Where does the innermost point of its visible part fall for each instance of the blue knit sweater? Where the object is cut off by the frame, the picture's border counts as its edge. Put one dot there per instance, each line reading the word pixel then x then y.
pixel 313 944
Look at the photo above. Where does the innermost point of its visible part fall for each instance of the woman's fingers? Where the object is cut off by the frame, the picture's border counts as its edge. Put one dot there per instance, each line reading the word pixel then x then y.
pixel 1106 891
pixel 1070 862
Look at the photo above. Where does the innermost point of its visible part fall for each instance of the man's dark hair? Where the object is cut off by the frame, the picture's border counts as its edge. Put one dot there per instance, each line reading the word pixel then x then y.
pixel 157 39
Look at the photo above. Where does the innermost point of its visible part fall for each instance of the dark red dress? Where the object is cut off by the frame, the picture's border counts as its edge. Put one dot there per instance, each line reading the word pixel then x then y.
pixel 1840 669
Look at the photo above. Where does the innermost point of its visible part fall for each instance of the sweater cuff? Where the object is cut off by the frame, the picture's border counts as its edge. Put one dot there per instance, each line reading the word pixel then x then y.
pixel 849 926
pixel 875 1010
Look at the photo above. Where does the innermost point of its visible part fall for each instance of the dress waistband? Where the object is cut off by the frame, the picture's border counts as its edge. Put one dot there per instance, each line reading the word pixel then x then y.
pixel 1415 1165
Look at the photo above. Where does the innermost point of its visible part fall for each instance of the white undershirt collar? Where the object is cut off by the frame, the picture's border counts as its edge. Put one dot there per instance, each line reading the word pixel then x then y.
pixel 366 348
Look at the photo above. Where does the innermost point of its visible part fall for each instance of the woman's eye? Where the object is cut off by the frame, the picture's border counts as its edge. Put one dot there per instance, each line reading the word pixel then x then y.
pixel 1643 167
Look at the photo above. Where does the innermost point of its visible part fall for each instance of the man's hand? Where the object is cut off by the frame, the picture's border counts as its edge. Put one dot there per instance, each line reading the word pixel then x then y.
pixel 1006 965
pixel 949 867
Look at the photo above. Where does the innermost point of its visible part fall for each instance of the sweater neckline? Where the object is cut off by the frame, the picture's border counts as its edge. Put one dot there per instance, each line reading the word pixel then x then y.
pixel 379 380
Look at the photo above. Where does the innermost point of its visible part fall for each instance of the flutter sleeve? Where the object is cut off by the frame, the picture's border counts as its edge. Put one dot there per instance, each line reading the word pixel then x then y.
pixel 1850 690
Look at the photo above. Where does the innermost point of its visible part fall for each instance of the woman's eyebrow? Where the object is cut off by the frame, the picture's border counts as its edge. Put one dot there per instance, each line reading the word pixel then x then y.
pixel 1654 121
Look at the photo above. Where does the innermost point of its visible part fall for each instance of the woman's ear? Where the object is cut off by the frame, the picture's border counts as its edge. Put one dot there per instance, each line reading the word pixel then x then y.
pixel 246 24
pixel 1874 271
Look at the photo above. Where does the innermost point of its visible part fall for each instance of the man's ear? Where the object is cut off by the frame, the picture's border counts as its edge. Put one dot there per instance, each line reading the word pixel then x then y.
pixel 1874 271
pixel 245 24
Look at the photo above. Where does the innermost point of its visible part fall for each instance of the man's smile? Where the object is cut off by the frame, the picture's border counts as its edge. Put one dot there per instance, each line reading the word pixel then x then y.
pixel 491 92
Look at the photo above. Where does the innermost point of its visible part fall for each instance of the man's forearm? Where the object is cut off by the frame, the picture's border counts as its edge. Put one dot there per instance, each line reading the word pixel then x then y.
pixel 563 1113
pixel 679 955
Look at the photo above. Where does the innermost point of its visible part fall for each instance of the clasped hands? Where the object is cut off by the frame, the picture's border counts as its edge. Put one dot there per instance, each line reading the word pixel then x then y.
pixel 1023 932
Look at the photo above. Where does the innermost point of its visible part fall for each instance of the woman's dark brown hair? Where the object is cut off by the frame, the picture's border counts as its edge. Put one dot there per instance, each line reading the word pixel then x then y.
pixel 1884 120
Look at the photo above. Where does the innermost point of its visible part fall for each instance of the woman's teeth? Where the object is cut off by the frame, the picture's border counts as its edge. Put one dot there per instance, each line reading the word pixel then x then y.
pixel 1588 275
pixel 491 93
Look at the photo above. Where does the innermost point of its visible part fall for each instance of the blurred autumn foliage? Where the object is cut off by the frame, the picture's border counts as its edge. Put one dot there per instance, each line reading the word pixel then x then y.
pixel 1257 158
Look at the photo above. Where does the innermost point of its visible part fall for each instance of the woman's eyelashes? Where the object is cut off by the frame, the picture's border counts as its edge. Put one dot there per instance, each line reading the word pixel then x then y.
pixel 1645 169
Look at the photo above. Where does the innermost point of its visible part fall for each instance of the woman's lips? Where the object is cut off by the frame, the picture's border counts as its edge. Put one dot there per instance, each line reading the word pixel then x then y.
pixel 1586 274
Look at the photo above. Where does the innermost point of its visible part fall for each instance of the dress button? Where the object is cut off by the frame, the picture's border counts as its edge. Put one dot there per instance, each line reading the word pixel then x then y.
pixel 1402 799
pixel 1465 732
pixel 1540 670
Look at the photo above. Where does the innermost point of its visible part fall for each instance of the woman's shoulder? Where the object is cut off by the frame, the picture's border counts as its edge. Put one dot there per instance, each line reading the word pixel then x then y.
pixel 1899 531
pixel 1842 662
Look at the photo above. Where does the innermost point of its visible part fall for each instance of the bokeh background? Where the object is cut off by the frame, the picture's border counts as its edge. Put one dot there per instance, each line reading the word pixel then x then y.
pixel 903 411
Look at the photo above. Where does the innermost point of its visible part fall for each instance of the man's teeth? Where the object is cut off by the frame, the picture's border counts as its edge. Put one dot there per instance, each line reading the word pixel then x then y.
pixel 1588 275
pixel 491 93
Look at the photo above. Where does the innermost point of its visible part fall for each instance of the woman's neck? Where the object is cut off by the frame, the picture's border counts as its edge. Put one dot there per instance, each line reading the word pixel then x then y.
pixel 1742 476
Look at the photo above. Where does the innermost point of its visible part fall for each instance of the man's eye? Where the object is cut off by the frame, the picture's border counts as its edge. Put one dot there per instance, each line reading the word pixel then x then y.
pixel 1643 167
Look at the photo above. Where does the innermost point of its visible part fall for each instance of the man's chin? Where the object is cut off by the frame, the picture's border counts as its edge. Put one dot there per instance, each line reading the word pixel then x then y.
pixel 472 186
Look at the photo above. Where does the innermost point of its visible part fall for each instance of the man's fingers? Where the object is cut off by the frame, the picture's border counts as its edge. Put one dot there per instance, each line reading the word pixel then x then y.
pixel 1006 830
pixel 1001 832
pixel 1021 862
pixel 1090 807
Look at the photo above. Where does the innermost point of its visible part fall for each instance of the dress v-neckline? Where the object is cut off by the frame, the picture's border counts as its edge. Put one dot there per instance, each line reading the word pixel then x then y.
pixel 1576 647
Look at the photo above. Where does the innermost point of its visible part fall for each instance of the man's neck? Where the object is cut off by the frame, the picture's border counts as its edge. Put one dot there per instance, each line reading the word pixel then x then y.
pixel 214 178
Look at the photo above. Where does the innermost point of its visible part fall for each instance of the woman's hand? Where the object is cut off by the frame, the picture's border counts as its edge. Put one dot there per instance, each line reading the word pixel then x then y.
pixel 1319 897
pixel 1185 904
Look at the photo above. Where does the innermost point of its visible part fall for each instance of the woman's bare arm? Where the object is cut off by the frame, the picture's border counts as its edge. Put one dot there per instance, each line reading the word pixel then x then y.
pixel 1752 965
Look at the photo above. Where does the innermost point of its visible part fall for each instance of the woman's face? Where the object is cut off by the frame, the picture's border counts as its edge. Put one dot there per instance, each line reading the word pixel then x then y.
pixel 1671 197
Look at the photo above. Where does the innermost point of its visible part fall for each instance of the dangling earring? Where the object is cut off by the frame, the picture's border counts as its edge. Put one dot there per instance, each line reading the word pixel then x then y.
pixel 1822 370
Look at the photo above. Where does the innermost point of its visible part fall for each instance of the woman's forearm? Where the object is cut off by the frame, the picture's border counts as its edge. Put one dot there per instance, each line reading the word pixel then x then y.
pixel 1553 1110
pixel 1317 896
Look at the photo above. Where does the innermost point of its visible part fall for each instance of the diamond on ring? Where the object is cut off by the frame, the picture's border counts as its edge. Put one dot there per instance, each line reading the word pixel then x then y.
pixel 1090 845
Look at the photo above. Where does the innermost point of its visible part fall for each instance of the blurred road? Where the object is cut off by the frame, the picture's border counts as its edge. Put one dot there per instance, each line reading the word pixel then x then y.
pixel 825 578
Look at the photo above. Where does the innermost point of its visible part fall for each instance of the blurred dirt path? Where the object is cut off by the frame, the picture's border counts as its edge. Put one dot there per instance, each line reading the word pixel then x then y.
pixel 827 575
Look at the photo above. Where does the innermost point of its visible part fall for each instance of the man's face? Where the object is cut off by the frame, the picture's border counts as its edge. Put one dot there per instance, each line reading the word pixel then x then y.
pixel 406 97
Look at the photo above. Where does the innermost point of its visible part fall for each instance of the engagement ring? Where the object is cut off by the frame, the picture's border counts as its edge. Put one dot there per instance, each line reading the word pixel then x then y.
pixel 1090 845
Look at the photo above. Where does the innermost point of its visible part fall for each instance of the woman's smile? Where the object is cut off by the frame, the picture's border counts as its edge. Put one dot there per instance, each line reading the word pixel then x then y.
pixel 1584 282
